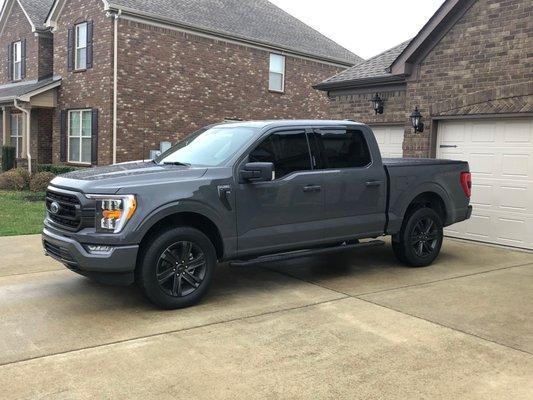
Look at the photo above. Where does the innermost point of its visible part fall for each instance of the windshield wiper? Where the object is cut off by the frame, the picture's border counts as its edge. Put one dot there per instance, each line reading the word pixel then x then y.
pixel 177 163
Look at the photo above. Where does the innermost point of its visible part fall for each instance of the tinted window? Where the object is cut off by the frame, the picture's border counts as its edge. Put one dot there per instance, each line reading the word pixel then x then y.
pixel 288 151
pixel 343 149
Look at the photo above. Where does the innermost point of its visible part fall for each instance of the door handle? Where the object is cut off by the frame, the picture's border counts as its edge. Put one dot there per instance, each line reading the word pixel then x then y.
pixel 374 183
pixel 312 188
pixel 448 146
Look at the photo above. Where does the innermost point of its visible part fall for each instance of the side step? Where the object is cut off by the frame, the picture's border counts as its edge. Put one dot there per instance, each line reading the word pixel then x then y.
pixel 305 253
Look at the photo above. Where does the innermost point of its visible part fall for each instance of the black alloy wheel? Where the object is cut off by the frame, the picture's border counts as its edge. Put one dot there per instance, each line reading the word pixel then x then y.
pixel 181 269
pixel 424 237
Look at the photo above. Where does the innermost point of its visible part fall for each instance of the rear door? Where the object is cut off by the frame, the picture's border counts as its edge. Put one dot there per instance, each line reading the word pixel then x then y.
pixel 355 188
pixel 286 211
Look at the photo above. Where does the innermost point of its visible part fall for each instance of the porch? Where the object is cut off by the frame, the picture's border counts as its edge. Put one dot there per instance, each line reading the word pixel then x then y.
pixel 27 110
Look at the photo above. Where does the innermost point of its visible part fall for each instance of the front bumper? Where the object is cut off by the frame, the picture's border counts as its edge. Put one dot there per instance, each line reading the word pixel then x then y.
pixel 121 259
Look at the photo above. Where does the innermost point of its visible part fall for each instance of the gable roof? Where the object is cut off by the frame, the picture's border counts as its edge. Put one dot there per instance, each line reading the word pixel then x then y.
pixel 34 10
pixel 375 69
pixel 396 64
pixel 25 90
pixel 37 11
pixel 258 21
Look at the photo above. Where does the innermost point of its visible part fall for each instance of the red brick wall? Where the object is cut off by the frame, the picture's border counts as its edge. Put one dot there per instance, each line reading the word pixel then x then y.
pixel 171 83
pixel 91 88
pixel 18 28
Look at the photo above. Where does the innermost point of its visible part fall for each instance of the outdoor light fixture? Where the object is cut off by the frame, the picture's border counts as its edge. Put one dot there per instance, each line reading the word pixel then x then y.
pixel 416 121
pixel 377 104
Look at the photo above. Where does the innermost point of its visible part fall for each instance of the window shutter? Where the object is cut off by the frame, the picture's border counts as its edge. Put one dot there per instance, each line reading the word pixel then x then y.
pixel 23 58
pixel 70 49
pixel 10 62
pixel 63 137
pixel 89 44
pixel 94 137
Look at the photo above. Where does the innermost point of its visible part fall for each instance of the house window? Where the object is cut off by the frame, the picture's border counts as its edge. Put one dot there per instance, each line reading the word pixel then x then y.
pixel 79 136
pixel 16 134
pixel 17 61
pixel 276 81
pixel 81 46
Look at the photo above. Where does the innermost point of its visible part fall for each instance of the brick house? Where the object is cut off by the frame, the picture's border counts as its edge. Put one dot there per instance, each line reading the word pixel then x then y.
pixel 470 73
pixel 92 82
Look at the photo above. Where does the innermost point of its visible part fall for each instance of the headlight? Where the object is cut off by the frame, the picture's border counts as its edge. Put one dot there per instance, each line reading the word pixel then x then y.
pixel 113 211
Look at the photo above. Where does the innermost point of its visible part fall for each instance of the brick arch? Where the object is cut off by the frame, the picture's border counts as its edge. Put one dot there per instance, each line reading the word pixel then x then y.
pixel 516 98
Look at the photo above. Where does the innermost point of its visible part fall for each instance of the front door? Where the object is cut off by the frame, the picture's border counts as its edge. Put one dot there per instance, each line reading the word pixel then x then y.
pixel 285 212
pixel 355 188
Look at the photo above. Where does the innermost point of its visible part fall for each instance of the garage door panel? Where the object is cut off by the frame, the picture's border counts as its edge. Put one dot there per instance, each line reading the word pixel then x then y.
pixel 390 140
pixel 500 154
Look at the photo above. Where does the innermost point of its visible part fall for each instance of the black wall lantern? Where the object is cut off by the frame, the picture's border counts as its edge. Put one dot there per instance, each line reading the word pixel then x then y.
pixel 377 104
pixel 416 121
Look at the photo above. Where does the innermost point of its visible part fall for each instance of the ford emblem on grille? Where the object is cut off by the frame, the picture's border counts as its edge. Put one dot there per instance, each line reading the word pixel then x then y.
pixel 54 207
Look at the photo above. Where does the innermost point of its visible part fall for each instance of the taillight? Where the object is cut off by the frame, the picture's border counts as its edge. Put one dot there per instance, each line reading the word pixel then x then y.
pixel 466 183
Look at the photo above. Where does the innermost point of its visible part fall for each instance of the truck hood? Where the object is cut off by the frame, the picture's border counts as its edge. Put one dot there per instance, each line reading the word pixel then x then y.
pixel 111 179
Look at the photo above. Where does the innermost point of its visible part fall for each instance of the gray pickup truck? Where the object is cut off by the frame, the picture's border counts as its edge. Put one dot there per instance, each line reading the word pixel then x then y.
pixel 244 192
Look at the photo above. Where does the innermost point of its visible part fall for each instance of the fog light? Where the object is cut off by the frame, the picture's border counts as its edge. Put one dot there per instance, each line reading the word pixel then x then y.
pixel 97 249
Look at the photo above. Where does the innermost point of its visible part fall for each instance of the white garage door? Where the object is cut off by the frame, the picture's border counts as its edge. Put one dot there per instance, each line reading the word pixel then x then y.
pixel 390 140
pixel 500 153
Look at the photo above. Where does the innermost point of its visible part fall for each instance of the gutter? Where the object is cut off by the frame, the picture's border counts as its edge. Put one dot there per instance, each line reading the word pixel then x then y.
pixel 28 128
pixel 115 82
pixel 360 83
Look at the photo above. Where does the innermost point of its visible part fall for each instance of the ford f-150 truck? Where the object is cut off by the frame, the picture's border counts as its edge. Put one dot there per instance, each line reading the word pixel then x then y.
pixel 249 191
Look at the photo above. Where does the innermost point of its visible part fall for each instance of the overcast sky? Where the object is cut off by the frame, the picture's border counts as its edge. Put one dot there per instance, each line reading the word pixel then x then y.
pixel 366 27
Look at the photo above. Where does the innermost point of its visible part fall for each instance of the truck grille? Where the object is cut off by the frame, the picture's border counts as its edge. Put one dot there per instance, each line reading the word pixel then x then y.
pixel 70 214
pixel 58 253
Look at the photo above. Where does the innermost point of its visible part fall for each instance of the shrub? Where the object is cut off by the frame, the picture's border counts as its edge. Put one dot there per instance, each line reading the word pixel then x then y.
pixel 39 182
pixel 25 174
pixel 8 158
pixel 11 180
pixel 56 169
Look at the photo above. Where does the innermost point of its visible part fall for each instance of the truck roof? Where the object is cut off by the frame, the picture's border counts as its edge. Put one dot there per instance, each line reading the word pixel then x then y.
pixel 289 122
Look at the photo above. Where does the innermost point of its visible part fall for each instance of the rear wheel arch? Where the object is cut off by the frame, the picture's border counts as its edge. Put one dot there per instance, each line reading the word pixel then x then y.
pixel 429 199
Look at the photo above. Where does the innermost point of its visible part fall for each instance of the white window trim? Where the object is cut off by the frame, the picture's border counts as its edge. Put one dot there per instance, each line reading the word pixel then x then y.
pixel 79 47
pixel 17 61
pixel 275 72
pixel 79 136
pixel 20 133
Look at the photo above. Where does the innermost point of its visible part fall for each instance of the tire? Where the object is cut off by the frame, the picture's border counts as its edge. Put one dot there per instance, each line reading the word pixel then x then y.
pixel 176 268
pixel 419 242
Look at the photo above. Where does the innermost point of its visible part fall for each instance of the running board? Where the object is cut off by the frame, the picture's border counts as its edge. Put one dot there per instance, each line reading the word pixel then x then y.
pixel 306 253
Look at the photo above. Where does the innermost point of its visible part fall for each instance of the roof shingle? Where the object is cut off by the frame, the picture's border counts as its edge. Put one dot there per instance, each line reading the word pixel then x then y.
pixel 375 67
pixel 257 20
pixel 37 11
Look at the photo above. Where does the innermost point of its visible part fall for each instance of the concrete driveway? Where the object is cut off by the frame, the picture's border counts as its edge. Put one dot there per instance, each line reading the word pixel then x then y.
pixel 350 326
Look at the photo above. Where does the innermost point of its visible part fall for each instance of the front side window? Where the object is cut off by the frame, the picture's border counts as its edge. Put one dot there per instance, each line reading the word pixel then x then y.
pixel 343 149
pixel 209 147
pixel 79 136
pixel 16 133
pixel 288 151
pixel 17 61
pixel 276 81
pixel 81 46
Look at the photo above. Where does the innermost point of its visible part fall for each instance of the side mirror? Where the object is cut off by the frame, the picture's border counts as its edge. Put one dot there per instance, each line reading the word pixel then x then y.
pixel 257 172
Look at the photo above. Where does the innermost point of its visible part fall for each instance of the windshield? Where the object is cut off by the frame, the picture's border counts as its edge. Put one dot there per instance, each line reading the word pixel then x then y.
pixel 208 148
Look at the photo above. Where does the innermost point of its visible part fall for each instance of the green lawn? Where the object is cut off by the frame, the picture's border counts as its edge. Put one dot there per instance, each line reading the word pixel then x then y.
pixel 21 213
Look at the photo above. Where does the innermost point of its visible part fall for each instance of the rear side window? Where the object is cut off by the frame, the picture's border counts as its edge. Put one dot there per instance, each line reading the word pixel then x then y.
pixel 343 149
pixel 288 151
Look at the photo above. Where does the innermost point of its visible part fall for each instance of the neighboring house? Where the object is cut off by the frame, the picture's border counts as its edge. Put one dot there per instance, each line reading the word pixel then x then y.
pixel 470 73
pixel 95 82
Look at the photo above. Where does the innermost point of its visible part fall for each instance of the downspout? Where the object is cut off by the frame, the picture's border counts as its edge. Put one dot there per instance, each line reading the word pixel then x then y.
pixel 115 83
pixel 4 126
pixel 28 128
